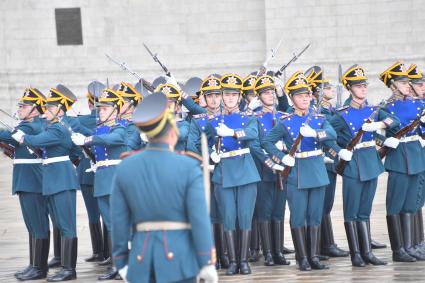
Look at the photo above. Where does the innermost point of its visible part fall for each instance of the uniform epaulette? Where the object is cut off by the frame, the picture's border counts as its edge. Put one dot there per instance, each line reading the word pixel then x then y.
pixel 319 115
pixel 283 113
pixel 286 115
pixel 248 112
pixel 342 108
pixel 259 113
pixel 190 154
pixel 199 116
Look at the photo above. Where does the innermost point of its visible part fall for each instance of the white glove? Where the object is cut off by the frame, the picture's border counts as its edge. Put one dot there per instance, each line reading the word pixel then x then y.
pixel 255 103
pixel 345 154
pixel 123 273
pixel 18 135
pixel 308 132
pixel 422 119
pixel 279 145
pixel 78 139
pixel 215 157
pixel 288 160
pixel 392 142
pixel 208 273
pixel 224 131
pixel 172 80
pixel 211 168
pixel 278 167
pixel 328 160
pixel 373 127
pixel 143 137
pixel 422 141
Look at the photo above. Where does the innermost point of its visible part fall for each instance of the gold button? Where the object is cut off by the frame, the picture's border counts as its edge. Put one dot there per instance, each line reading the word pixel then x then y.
pixel 139 258
pixel 170 255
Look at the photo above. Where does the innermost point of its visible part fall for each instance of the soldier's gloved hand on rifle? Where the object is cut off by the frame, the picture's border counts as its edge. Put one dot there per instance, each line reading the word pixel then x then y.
pixel 78 139
pixel 123 273
pixel 224 131
pixel 308 132
pixel 422 141
pixel 345 154
pixel 279 145
pixel 215 157
pixel 18 135
pixel 255 103
pixel 373 126
pixel 208 274
pixel 278 167
pixel 392 142
pixel 288 160
pixel 172 80
pixel 422 119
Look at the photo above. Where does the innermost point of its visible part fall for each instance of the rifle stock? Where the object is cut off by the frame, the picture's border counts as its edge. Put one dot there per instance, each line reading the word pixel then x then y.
pixel 342 163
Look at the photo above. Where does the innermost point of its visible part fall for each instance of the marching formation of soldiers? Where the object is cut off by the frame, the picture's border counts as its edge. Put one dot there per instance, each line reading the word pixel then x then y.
pixel 136 158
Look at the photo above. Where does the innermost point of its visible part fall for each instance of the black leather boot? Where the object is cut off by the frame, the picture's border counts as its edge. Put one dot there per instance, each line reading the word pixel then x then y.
pixel 420 230
pixel 233 265
pixel 396 239
pixel 28 267
pixel 365 245
pixel 254 246
pixel 313 247
pixel 266 242
pixel 106 251
pixel 41 254
pixel 406 220
pixel 278 256
pixel 217 244
pixel 243 262
pixel 328 246
pixel 68 260
pixel 375 244
pixel 298 237
pixel 319 254
pixel 353 243
pixel 224 256
pixel 96 243
pixel 111 272
pixel 56 260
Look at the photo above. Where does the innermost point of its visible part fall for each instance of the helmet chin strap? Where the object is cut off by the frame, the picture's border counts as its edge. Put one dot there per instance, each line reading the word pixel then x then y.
pixel 28 116
pixel 109 116
pixel 231 110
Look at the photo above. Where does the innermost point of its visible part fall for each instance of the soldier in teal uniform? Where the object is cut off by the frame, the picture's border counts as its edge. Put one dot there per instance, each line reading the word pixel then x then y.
pixel 59 176
pixel 235 175
pixel 271 198
pixel 405 162
pixel 417 81
pixel 109 141
pixel 315 79
pixel 211 91
pixel 173 94
pixel 308 178
pixel 131 97
pixel 87 126
pixel 172 239
pixel 360 176
pixel 27 184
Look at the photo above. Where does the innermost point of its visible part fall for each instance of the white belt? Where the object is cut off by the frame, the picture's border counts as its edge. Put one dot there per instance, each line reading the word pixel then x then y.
pixel 306 154
pixel 235 153
pixel 55 159
pixel 410 139
pixel 161 226
pixel 108 162
pixel 28 161
pixel 365 144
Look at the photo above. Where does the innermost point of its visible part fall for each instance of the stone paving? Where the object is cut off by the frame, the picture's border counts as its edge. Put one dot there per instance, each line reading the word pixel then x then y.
pixel 13 246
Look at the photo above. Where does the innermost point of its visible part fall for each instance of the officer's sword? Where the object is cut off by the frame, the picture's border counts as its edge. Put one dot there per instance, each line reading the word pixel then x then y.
pixel 205 170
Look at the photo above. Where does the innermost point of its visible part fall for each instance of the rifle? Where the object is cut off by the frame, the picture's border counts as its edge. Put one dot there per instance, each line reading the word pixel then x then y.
pixel 294 58
pixel 339 88
pixel 356 139
pixel 7 149
pixel 263 68
pixel 297 142
pixel 220 138
pixel 31 150
pixel 124 67
pixel 402 132
pixel 155 58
